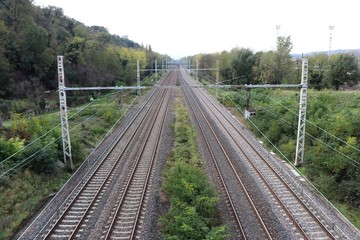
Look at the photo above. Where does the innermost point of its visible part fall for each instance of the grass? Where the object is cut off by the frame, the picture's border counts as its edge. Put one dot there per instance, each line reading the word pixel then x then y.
pixel 352 215
pixel 192 213
pixel 20 196
pixel 24 191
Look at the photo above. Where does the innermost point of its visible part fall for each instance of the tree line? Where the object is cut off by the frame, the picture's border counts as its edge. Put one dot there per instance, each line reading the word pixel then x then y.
pixel 31 37
pixel 244 66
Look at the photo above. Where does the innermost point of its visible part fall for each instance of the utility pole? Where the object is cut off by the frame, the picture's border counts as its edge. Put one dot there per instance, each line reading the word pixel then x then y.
pixel 277 31
pixel 63 113
pixel 331 28
pixel 63 106
pixel 217 77
pixel 156 75
pixel 162 67
pixel 197 70
pixel 138 76
pixel 189 67
pixel 300 142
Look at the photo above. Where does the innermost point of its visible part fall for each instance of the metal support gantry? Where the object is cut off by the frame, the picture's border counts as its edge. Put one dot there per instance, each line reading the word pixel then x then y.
pixel 156 72
pixel 138 76
pixel 63 106
pixel 63 113
pixel 300 142
pixel 217 77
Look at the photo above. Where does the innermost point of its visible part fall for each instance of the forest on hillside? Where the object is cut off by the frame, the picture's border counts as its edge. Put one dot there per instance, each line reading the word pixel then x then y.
pixel 30 39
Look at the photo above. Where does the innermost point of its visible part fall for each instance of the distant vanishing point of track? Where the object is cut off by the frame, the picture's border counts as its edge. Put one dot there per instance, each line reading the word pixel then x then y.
pixel 112 195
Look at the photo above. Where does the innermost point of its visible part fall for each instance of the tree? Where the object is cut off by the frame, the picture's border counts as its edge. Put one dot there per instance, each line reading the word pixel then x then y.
pixel 31 37
pixel 283 63
pixel 17 14
pixel 344 70
pixel 318 65
pixel 225 66
pixel 264 68
pixel 5 65
pixel 207 61
pixel 242 65
pixel 34 57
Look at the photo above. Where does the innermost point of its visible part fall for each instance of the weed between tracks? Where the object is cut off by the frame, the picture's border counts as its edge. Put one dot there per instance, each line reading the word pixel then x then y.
pixel 192 198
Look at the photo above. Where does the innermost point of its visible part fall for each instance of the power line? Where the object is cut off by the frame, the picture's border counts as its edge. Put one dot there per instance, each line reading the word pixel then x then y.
pixel 48 132
pixel 24 160
pixel 352 161
pixel 308 121
pixel 34 154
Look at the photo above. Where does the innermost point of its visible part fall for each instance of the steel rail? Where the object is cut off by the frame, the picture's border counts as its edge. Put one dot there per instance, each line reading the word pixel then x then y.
pixel 257 214
pixel 78 225
pixel 132 174
pixel 282 204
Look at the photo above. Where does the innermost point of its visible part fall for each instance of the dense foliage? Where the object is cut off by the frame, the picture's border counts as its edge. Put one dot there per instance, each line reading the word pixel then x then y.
pixel 30 39
pixel 31 149
pixel 192 213
pixel 243 66
pixel 332 145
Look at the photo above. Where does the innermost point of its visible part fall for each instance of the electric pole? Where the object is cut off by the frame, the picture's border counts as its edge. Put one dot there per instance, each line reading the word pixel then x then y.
pixel 197 70
pixel 331 28
pixel 138 76
pixel 217 77
pixel 277 31
pixel 156 75
pixel 63 113
pixel 300 143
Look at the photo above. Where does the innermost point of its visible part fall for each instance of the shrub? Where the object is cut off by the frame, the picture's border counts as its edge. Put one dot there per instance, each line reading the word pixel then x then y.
pixel 193 199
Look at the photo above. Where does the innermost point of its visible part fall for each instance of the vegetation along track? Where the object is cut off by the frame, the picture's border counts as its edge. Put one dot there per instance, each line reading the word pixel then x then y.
pixel 303 221
pixel 133 151
pixel 253 222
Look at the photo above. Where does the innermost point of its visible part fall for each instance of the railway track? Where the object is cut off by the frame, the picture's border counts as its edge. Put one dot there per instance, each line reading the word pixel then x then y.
pixel 133 151
pixel 303 220
pixel 257 222
pixel 126 214
pixel 111 200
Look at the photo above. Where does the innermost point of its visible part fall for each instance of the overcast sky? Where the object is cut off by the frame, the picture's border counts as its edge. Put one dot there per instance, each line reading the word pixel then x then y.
pixel 187 27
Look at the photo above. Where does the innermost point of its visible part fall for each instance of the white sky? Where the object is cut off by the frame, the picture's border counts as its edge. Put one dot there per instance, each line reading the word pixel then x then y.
pixel 187 27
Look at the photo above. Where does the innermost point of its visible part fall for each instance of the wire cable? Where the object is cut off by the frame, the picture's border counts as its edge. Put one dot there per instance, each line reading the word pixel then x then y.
pixel 352 161
pixel 48 132
pixel 308 121
pixel 14 168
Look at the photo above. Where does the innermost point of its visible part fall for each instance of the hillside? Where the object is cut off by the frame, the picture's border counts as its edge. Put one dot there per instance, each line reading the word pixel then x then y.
pixel 337 51
pixel 30 39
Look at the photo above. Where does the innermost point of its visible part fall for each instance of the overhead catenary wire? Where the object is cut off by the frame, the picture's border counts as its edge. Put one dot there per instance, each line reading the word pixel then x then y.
pixel 24 160
pixel 308 121
pixel 351 160
pixel 15 168
pixel 237 107
pixel 48 132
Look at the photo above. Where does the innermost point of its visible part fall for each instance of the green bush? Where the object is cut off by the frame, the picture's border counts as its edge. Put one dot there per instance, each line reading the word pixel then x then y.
pixel 10 146
pixel 192 198
pixel 44 161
